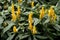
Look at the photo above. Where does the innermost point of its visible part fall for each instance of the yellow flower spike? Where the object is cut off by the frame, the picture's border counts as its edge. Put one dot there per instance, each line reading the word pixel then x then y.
pixel 13 14
pixel 55 17
pixel 19 1
pixel 30 26
pixel 13 17
pixel 15 29
pixel 12 8
pixel 32 4
pixel 30 17
pixel 19 11
pixel 52 14
pixel 34 30
pixel 30 21
pixel 42 12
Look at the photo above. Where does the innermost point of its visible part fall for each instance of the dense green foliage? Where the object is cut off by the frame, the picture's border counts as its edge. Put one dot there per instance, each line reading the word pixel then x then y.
pixel 45 29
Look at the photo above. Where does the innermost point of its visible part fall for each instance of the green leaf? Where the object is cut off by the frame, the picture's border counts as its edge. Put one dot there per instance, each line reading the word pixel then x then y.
pixel 1 19
pixel 58 4
pixel 8 27
pixel 25 13
pixel 36 21
pixel 42 37
pixel 34 38
pixel 46 21
pixel 21 36
pixel 57 27
pixel 11 37
pixel 29 38
pixel 9 8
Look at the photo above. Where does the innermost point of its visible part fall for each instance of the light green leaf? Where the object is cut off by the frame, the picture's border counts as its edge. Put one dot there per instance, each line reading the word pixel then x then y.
pixel 29 38
pixel 46 21
pixel 8 27
pixel 36 21
pixel 57 27
pixel 21 36
pixel 11 37
pixel 1 19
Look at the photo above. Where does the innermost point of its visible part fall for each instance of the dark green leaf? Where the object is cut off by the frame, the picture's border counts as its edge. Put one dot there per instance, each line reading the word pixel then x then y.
pixel 42 37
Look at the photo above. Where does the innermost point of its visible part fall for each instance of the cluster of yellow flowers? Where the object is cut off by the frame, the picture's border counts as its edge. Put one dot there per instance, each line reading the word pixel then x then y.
pixel 52 14
pixel 17 15
pixel 31 27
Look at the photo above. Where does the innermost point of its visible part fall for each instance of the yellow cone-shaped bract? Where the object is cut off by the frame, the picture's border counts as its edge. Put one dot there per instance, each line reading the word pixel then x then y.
pixel 19 1
pixel 32 4
pixel 51 12
pixel 14 29
pixel 18 12
pixel 52 15
pixel 13 14
pixel 12 8
pixel 34 30
pixel 42 12
pixel 30 20
pixel 30 17
pixel 13 17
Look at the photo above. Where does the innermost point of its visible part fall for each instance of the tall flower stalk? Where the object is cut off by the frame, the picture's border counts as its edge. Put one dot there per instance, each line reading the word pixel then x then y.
pixel 52 14
pixel 31 27
pixel 30 21
pixel 42 13
pixel 13 14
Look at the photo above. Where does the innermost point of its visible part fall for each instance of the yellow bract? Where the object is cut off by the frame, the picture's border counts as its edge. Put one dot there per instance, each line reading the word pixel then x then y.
pixel 34 30
pixel 13 17
pixel 52 14
pixel 19 1
pixel 12 8
pixel 30 20
pixel 31 27
pixel 30 17
pixel 42 12
pixel 15 29
pixel 18 12
pixel 32 4
pixel 13 14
